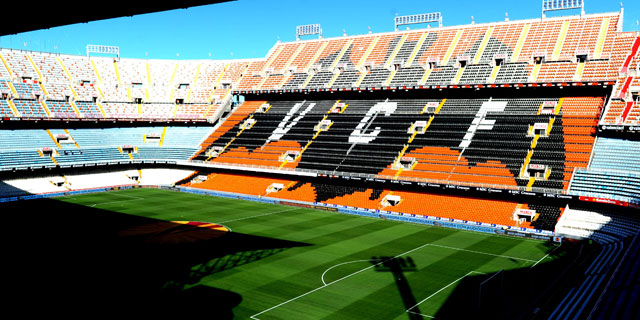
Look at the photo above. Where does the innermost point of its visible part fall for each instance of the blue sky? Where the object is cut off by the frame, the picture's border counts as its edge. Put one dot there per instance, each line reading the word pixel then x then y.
pixel 249 28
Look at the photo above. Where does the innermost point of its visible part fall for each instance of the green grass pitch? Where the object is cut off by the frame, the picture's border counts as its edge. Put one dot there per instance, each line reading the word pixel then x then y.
pixel 278 262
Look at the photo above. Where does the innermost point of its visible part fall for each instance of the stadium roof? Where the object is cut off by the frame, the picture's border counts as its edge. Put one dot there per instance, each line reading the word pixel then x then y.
pixel 49 14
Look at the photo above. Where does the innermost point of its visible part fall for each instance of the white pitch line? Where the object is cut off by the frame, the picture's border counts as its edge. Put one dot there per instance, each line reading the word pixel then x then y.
pixel 367 268
pixel 480 252
pixel 546 255
pixel 132 198
pixel 337 265
pixel 335 281
pixel 259 215
pixel 433 294
pixel 421 314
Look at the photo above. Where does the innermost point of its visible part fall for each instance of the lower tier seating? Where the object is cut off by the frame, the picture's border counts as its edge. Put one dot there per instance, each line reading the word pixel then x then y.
pixel 616 154
pixel 614 172
pixel 37 148
pixel 492 211
pixel 611 278
pixel 603 225
pixel 55 182
pixel 618 301
pixel 616 185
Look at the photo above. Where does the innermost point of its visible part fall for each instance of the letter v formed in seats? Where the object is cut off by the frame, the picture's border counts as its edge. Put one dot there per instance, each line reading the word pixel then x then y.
pixel 284 126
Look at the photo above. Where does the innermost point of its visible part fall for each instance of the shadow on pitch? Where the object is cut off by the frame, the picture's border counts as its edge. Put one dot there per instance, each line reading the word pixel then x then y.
pixel 513 294
pixel 59 256
pixel 397 266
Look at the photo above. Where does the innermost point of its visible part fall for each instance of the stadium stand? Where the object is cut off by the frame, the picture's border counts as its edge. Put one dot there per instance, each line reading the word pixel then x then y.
pixel 5 109
pixel 71 182
pixel 475 54
pixel 456 137
pixel 50 147
pixel 616 154
pixel 613 173
pixel 456 140
pixel 542 112
pixel 528 124
pixel 102 87
pixel 61 109
pixel 615 231
pixel 419 203
pixel 618 298
pixel 466 154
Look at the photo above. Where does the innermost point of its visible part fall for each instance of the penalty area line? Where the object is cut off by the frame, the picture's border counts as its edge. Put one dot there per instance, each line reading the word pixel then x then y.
pixel 421 314
pixel 546 255
pixel 381 262
pixel 131 198
pixel 440 290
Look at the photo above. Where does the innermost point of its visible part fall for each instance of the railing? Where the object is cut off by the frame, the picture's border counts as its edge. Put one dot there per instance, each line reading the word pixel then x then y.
pixel 246 166
pixel 292 171
pixel 87 163
pixel 375 176
pixel 614 275
pixel 573 175
pixel 625 173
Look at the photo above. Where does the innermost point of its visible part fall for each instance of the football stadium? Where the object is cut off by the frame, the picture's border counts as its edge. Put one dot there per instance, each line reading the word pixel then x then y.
pixel 476 170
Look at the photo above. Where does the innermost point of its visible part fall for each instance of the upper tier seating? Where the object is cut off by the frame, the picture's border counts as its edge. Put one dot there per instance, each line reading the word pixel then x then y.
pixel 30 108
pixel 132 71
pixel 61 109
pixel 88 109
pixel 497 53
pixel 51 70
pixel 202 86
pixel 19 65
pixel 623 108
pixel 5 109
pixel 443 56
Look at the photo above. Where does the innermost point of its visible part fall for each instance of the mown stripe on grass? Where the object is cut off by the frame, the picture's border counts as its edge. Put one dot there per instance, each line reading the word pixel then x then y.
pixel 334 238
pixel 429 278
pixel 293 226
pixel 387 242
pixel 305 268
pixel 310 308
